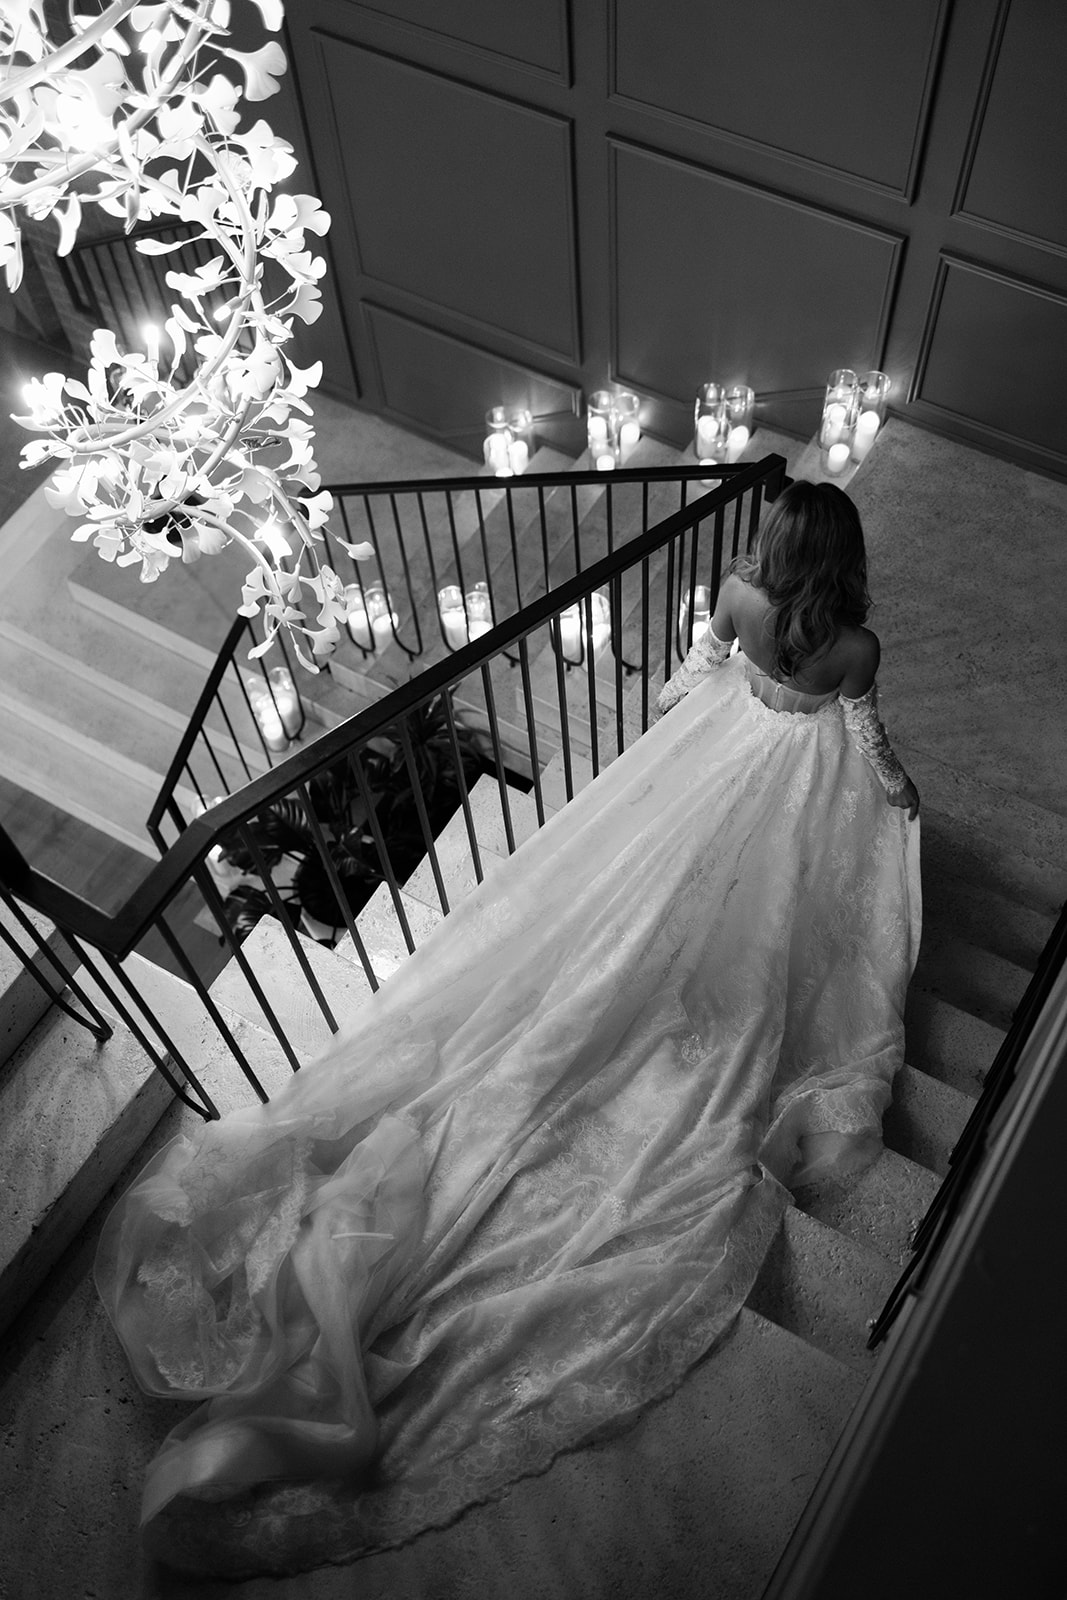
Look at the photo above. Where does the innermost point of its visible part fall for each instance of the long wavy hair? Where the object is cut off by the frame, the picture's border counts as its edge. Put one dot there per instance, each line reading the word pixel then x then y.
pixel 810 561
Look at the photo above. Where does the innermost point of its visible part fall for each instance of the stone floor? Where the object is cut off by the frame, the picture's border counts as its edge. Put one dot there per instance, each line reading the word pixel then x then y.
pixel 968 556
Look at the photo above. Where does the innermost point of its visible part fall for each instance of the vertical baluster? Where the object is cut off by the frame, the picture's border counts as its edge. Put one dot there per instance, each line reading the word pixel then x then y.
pixel 202 878
pixel 498 757
pixel 669 622
pixel 217 908
pixel 531 727
pixel 615 617
pixel 207 1109
pixel 645 623
pixel 544 536
pixel 736 544
pixel 561 698
pixel 428 543
pixel 412 602
pixel 461 780
pixel 430 842
pixel 590 677
pixel 281 912
pixel 716 553
pixel 387 870
pixel 754 514
pixel 96 1023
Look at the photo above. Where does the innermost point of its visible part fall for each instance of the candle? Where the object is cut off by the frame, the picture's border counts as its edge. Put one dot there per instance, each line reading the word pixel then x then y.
pixel 629 434
pixel 518 455
pixel 597 428
pixel 479 610
pixel 837 458
pixel 736 442
pixel 867 425
pixel 707 435
pixel 833 425
pixel 601 614
pixel 270 723
pixel 356 619
pixel 453 616
pixel 605 463
pixel 570 633
pixel 496 453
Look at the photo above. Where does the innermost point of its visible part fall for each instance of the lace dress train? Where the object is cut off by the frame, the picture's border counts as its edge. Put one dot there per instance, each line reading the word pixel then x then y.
pixel 534 1179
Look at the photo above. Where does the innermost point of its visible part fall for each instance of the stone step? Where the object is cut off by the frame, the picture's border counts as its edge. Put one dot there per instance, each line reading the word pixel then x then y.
pixel 990 836
pixel 823 1287
pixel 36 680
pixel 72 1114
pixel 925 1118
pixel 948 1043
pixel 978 913
pixel 879 1207
pixel 969 978
pixel 78 774
pixel 23 1001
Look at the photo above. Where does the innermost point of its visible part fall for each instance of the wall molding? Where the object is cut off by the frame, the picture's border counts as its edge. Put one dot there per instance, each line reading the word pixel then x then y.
pixel 920 133
pixel 416 30
pixel 572 352
pixel 617 146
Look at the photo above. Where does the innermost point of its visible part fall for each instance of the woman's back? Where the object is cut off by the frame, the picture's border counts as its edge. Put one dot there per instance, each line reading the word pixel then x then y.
pixel 848 665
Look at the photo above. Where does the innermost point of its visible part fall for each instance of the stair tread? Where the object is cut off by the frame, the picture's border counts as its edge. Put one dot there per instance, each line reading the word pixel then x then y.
pixel 925 1118
pixel 823 1287
pixel 949 1043
pixel 879 1207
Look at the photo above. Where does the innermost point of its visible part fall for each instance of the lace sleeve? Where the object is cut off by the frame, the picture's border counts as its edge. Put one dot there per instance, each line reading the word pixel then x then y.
pixel 707 652
pixel 868 732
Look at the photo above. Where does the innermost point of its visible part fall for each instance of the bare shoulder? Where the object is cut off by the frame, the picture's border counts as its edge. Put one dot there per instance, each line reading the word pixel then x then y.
pixel 860 654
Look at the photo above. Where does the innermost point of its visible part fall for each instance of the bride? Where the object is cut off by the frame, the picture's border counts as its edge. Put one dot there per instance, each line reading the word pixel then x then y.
pixel 534 1179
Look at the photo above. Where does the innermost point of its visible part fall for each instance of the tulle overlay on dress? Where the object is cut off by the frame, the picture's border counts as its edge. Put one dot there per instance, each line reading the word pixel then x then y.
pixel 533 1181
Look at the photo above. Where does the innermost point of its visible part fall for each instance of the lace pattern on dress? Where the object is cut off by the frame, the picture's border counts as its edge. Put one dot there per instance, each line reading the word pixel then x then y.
pixel 867 729
pixel 706 653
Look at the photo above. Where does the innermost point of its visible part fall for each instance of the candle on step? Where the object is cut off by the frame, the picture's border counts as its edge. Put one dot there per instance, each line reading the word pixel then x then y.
pixel 570 633
pixel 270 723
pixel 356 619
pixel 867 425
pixel 286 701
pixel 837 458
pixel 479 610
pixel 518 455
pixel 605 463
pixel 736 442
pixel 453 616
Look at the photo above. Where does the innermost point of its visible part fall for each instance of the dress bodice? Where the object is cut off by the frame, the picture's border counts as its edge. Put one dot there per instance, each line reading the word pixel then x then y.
pixel 780 696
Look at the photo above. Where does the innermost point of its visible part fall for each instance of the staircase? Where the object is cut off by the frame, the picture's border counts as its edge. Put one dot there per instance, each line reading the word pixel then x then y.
pixel 699 1497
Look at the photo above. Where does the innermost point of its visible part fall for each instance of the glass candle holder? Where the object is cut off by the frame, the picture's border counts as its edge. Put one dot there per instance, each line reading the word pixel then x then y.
pixel 479 610
pixel 287 700
pixel 628 420
pixel 701 615
pixel 521 447
pixel 873 396
pixel 600 612
pixel 711 424
pixel 370 619
pixel 574 628
pixel 839 409
pixel 453 615
pixel 496 447
pixel 268 718
pixel 740 405
pixel 602 430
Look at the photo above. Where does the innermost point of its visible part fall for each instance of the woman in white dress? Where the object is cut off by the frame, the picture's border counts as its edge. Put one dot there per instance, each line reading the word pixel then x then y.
pixel 534 1179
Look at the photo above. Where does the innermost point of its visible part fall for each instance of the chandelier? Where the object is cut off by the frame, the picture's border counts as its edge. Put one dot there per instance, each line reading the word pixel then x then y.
pixel 136 111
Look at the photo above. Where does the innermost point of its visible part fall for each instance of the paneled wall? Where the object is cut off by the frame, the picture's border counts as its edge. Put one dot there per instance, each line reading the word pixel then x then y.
pixel 531 200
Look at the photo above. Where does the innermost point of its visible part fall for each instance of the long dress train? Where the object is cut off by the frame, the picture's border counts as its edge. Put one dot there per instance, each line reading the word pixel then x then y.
pixel 533 1181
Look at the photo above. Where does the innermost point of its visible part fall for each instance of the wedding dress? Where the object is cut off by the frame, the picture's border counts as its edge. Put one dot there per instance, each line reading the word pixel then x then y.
pixel 533 1180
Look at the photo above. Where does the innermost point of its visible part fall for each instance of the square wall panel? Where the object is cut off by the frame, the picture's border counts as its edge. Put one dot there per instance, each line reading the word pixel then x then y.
pixel 444 386
pixel 533 34
pixel 721 280
pixel 994 355
pixel 842 87
pixel 458 198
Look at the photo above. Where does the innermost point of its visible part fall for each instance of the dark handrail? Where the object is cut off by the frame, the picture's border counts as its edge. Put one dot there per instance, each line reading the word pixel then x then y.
pixel 120 932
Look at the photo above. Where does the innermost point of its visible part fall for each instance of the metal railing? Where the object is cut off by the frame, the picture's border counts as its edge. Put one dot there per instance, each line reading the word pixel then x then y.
pixel 117 286
pixel 517 539
pixel 361 762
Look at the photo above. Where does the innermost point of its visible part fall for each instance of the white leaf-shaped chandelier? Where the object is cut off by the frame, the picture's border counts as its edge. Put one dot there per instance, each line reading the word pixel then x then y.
pixel 135 112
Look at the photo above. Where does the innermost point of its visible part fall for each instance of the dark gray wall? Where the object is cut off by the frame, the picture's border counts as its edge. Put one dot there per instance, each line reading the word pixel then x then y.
pixel 533 199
